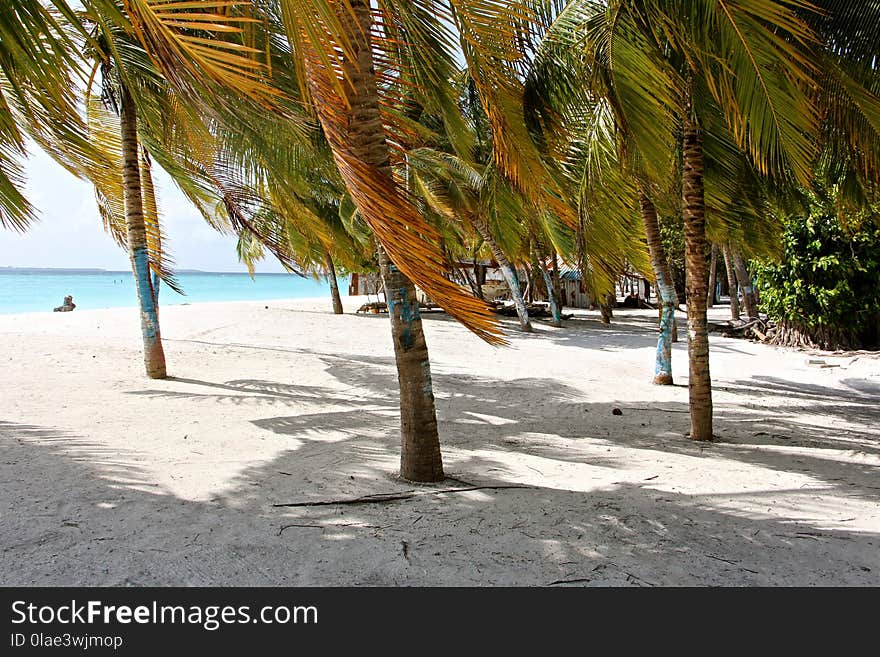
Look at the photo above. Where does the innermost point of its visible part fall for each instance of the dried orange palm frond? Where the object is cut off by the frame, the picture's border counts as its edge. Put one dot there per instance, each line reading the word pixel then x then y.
pixel 411 243
pixel 193 44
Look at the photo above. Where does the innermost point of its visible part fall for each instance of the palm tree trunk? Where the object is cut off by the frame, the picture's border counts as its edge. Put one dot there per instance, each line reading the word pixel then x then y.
pixel 529 294
pixel 334 284
pixel 731 282
pixel 548 283
pixel 665 291
pixel 420 458
pixel 557 285
pixel 694 211
pixel 745 284
pixel 507 271
pixel 154 356
pixel 459 273
pixel 551 297
pixel 606 308
pixel 713 265
pixel 156 284
pixel 478 279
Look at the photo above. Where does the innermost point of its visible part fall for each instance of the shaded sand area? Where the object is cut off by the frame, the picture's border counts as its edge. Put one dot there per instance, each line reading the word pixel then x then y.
pixel 109 478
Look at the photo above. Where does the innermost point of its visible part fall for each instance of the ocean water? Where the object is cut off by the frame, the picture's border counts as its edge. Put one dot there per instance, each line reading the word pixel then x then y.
pixel 42 291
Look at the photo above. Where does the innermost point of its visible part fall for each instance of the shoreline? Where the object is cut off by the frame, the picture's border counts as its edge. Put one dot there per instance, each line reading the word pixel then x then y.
pixel 35 293
pixel 134 307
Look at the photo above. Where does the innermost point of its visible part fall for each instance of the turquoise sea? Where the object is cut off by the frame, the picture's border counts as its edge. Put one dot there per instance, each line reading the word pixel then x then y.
pixel 41 291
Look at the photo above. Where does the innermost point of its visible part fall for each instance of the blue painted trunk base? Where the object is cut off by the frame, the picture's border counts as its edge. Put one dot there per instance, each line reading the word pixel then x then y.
pixel 409 315
pixel 663 365
pixel 149 316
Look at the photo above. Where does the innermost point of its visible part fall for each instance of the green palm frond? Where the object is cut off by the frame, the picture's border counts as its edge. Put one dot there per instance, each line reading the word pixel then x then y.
pixel 161 262
pixel 755 59
pixel 494 38
pixel 415 44
pixel 38 78
pixel 105 134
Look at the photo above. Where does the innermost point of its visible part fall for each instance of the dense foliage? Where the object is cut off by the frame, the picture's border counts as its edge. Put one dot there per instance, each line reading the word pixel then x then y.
pixel 672 234
pixel 825 290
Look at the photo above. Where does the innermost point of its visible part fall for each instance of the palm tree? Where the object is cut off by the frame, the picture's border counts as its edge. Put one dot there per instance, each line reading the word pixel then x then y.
pixel 334 285
pixel 700 70
pixel 154 355
pixel 163 115
pixel 665 292
pixel 539 262
pixel 44 102
pixel 301 200
pixel 713 268
pixel 412 42
pixel 339 55
pixel 125 191
pixel 507 270
pixel 772 125
pixel 745 284
pixel 309 224
pixel 611 176
pixel 474 197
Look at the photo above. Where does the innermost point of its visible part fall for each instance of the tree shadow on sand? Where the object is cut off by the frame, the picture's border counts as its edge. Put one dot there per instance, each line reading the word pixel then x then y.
pixel 581 514
pixel 93 522
pixel 543 419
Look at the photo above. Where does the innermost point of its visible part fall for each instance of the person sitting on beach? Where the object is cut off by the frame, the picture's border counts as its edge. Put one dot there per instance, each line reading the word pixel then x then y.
pixel 67 306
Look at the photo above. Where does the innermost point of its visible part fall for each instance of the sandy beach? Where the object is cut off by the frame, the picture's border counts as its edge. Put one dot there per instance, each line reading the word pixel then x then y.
pixel 109 478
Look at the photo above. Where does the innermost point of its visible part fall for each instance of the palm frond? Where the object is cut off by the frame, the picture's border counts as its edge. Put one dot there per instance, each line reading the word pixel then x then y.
pixel 410 242
pixel 755 59
pixel 161 262
pixel 197 45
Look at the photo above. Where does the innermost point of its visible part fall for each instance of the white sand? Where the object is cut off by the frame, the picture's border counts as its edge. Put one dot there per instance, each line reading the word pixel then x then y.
pixel 109 478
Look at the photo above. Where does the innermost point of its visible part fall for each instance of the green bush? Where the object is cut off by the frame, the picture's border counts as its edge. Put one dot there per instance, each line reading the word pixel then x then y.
pixel 825 290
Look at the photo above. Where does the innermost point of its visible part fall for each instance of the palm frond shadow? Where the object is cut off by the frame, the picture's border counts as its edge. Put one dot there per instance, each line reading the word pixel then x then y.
pixel 482 413
pixel 249 392
pixel 857 404
pixel 366 409
pixel 81 527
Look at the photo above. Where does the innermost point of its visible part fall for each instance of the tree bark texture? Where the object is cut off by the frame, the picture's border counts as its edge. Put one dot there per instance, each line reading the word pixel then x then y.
pixel 745 284
pixel 731 283
pixel 154 355
pixel 539 262
pixel 334 285
pixel 507 271
pixel 713 266
pixel 694 211
pixel 420 458
pixel 665 291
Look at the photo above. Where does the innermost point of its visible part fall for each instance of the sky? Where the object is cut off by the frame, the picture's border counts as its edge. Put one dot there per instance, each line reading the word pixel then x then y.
pixel 70 234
